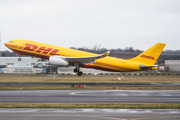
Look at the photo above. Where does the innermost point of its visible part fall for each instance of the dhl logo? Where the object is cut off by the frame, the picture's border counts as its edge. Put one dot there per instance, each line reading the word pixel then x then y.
pixel 43 50
pixel 147 57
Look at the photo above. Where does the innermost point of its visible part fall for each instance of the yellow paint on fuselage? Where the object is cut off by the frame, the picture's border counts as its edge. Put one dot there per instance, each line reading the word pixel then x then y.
pixel 106 63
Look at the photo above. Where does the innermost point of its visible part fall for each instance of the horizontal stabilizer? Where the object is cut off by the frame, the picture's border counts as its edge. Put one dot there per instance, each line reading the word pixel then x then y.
pixel 144 67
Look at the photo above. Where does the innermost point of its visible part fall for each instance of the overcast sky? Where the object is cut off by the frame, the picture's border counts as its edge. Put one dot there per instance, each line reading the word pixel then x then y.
pixel 84 23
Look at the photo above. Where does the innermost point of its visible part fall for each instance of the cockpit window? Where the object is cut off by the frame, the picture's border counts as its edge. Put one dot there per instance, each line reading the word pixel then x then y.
pixel 11 41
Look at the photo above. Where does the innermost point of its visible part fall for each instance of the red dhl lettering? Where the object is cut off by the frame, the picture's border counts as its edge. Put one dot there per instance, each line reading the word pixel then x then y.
pixel 147 57
pixel 30 47
pixel 54 52
pixel 42 49
pixel 45 51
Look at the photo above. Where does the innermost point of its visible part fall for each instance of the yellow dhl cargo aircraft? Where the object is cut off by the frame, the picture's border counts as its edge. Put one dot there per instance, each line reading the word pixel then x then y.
pixel 64 57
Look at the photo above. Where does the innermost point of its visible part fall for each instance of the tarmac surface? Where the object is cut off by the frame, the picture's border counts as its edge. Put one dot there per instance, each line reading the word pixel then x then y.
pixel 91 96
pixel 98 84
pixel 88 114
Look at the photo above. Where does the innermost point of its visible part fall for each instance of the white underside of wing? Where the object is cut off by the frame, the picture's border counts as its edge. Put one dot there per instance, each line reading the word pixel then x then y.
pixel 82 60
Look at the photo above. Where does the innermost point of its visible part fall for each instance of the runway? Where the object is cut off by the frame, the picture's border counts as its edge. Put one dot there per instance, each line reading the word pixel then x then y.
pixel 98 84
pixel 91 96
pixel 89 114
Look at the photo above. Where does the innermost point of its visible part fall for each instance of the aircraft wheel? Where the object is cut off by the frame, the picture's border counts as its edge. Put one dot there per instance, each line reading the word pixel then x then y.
pixel 76 70
pixel 80 73
pixel 19 59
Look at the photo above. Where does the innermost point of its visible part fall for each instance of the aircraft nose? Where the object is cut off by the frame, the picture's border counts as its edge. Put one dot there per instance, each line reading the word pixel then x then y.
pixel 5 44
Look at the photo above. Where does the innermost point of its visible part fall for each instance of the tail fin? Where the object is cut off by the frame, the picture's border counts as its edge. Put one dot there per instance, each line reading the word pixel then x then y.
pixel 150 56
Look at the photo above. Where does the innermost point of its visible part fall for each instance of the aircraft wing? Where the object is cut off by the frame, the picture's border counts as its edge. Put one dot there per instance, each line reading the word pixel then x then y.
pixel 83 60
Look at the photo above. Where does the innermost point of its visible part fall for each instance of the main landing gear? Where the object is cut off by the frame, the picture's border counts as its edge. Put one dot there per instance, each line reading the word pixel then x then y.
pixel 76 70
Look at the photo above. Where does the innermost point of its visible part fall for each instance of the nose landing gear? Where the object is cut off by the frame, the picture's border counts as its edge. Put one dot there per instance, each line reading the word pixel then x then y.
pixel 19 59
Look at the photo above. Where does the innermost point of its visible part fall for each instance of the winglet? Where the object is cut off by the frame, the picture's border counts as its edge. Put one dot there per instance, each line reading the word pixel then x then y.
pixel 105 54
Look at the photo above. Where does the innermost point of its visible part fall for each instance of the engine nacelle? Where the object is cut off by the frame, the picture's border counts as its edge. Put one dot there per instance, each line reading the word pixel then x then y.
pixel 58 61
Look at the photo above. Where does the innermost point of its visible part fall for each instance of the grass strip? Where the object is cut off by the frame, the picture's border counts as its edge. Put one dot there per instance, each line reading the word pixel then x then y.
pixel 91 105
pixel 93 79
pixel 51 87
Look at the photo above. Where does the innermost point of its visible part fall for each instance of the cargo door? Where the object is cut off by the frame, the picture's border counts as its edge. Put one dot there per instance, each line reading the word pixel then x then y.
pixel 20 44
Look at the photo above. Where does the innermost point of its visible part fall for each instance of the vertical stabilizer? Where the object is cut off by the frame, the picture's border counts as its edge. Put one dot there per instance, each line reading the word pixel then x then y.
pixel 150 56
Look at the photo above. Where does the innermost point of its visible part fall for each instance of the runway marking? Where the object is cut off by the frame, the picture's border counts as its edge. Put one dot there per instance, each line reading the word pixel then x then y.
pixel 87 92
pixel 171 91
pixel 153 118
pixel 29 111
pixel 35 94
pixel 76 115
pixel 131 92
pixel 144 91
pixel 92 116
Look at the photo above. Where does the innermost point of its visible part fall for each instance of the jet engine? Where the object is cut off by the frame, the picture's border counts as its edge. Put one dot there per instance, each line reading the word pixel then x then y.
pixel 58 61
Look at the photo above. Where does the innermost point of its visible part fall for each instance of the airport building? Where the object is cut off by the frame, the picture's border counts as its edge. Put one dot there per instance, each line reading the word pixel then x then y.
pixel 36 65
pixel 172 65
pixel 10 61
pixel 26 65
